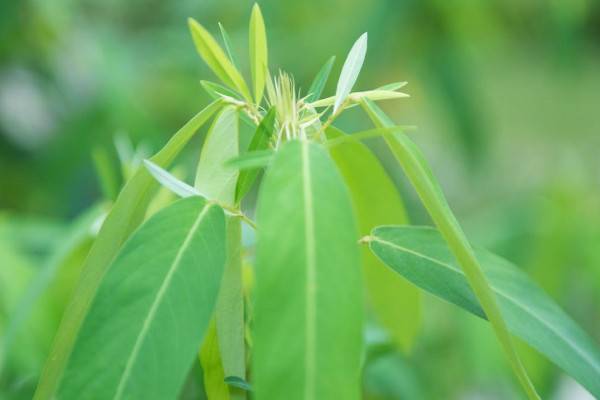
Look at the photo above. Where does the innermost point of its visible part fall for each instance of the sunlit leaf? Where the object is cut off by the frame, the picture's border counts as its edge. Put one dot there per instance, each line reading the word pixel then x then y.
pixel 126 214
pixel 318 84
pixel 215 58
pixel 350 70
pixel 421 256
pixel 174 261
pixel 393 86
pixel 418 172
pixel 395 303
pixel 213 179
pixel 308 297
pixel 169 181
pixel 260 141
pixel 258 52
pixel 355 97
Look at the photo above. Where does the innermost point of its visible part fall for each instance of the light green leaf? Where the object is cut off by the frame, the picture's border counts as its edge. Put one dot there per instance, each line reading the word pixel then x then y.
pixel 260 141
pixel 318 84
pixel 251 160
pixel 355 97
pixel 393 86
pixel 126 214
pixel 227 43
pixel 418 172
pixel 350 71
pixel 420 255
pixel 152 308
pixel 213 179
pixel 258 52
pixel 171 182
pixel 215 58
pixel 368 134
pixel 308 297
pixel 217 91
pixel 212 367
pixel 376 201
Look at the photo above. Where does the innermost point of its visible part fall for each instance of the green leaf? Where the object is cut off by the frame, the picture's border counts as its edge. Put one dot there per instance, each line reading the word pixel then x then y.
pixel 418 172
pixel 215 58
pixel 126 214
pixel 238 382
pixel 308 298
pixel 368 134
pixel 350 71
pixel 227 43
pixel 217 91
pixel 258 52
pixel 251 160
pixel 260 141
pixel 420 255
pixel 355 97
pixel 212 367
pixel 152 308
pixel 318 84
pixel 393 86
pixel 376 201
pixel 213 179
pixel 171 182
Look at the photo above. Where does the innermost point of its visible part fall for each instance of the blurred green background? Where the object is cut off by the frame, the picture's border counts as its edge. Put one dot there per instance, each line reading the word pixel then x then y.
pixel 505 94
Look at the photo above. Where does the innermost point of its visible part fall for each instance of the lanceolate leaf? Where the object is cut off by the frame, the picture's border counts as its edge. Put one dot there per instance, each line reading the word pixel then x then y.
pixel 430 193
pixel 395 303
pixel 170 182
pixel 318 84
pixel 215 58
pixel 375 95
pixel 421 255
pixel 308 297
pixel 126 214
pixel 217 91
pixel 227 43
pixel 251 160
pixel 152 308
pixel 260 141
pixel 350 70
pixel 258 52
pixel 213 179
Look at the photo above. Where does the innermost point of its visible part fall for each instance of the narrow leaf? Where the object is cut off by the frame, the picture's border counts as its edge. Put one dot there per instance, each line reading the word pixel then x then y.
pixel 173 262
pixel 368 134
pixel 258 52
pixel 251 160
pixel 212 367
pixel 169 181
pixel 350 70
pixel 215 58
pixel 126 214
pixel 260 141
pixel 418 172
pixel 355 97
pixel 213 179
pixel 227 43
pixel 217 91
pixel 318 84
pixel 420 255
pixel 376 201
pixel 308 299
pixel 393 86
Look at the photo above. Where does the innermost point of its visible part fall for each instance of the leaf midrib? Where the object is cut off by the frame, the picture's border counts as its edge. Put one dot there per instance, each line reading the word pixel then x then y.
pixel 155 304
pixel 310 290
pixel 575 348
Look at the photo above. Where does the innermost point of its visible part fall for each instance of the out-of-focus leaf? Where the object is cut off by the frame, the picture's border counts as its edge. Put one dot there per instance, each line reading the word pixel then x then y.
pixel 260 141
pixel 107 173
pixel 418 172
pixel 174 261
pixel 210 358
pixel 215 58
pixel 308 290
pixel 126 214
pixel 395 302
pixel 318 84
pixel 393 86
pixel 258 52
pixel 238 382
pixel 213 179
pixel 350 70
pixel 253 159
pixel 421 255
pixel 368 134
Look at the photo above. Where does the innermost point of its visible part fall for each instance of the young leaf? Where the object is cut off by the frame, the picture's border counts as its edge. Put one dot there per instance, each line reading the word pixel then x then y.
pixel 213 179
pixel 350 70
pixel 251 160
pixel 227 43
pixel 125 215
pixel 421 256
pixel 375 95
pixel 215 58
pixel 152 308
pixel 258 52
pixel 163 177
pixel 308 297
pixel 260 141
pixel 318 84
pixel 418 172
pixel 395 303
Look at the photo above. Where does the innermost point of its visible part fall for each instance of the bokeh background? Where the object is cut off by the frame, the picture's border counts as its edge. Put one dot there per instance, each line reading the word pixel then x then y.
pixel 505 94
